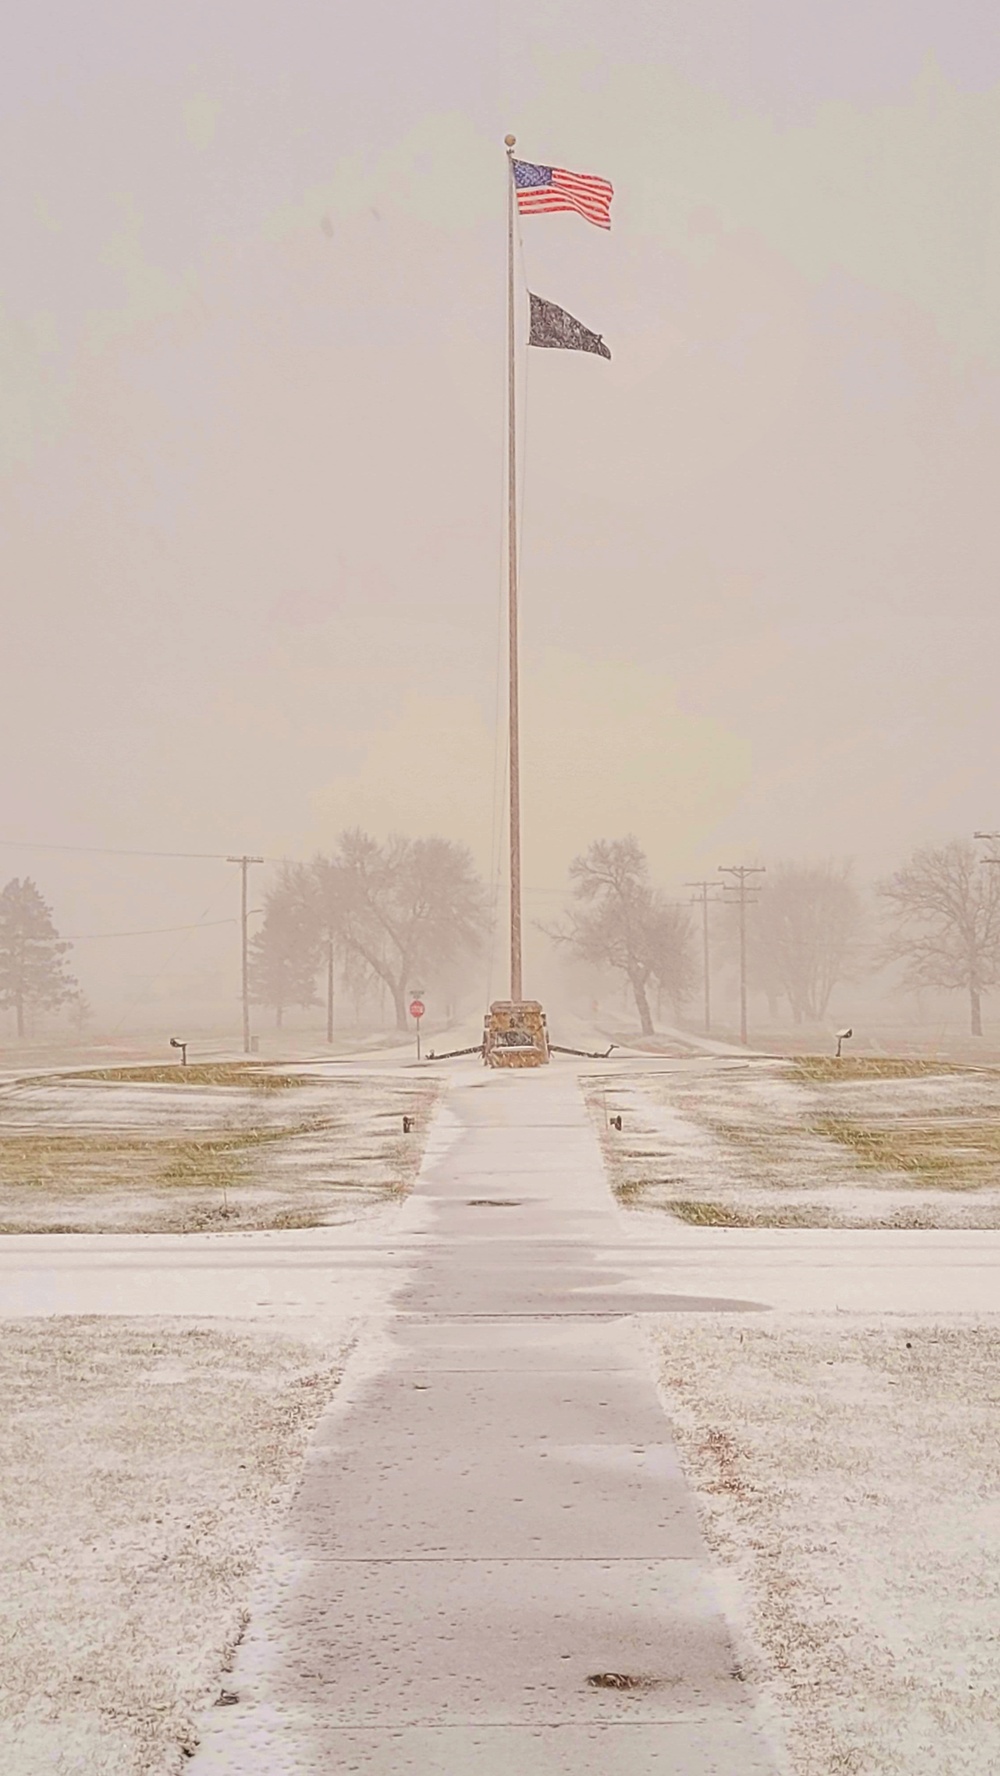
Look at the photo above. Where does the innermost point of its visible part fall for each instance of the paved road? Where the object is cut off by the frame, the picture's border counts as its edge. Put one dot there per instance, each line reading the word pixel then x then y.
pixel 492 1513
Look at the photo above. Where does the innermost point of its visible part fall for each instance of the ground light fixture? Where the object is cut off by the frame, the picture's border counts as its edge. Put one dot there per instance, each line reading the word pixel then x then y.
pixel 842 1037
pixel 176 1043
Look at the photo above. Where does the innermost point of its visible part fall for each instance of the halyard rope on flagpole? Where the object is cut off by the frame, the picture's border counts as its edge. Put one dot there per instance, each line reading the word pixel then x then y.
pixel 500 824
pixel 514 751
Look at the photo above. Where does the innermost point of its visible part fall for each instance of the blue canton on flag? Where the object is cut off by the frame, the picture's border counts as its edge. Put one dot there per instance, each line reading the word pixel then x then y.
pixel 526 175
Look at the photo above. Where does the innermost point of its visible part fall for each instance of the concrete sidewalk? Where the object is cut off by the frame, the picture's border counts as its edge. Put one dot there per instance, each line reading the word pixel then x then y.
pixel 492 1515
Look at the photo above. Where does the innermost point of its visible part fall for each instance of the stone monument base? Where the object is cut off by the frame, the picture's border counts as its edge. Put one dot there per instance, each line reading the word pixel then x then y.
pixel 515 1034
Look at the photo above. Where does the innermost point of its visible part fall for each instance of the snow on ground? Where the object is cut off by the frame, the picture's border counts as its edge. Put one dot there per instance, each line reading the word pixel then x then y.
pixel 848 1474
pixel 145 1462
pixel 760 1144
pixel 113 1155
pixel 846 1464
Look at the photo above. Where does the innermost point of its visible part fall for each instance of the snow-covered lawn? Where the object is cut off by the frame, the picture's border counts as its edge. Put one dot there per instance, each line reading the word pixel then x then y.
pixel 223 1149
pixel 848 1474
pixel 144 1463
pixel 773 1144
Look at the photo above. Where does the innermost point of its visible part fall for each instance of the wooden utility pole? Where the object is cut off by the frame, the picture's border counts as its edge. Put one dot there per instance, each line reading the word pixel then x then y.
pixel 741 871
pixel 329 987
pixel 244 863
pixel 703 888
pixel 516 977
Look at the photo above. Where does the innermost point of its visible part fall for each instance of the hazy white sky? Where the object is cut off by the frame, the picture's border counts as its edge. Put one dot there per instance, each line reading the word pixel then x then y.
pixel 251 337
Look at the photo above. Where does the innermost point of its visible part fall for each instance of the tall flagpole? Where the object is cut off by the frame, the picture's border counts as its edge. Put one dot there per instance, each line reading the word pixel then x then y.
pixel 516 985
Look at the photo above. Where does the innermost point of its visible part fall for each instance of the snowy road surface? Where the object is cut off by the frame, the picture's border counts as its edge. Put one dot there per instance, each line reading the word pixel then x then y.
pixel 333 1271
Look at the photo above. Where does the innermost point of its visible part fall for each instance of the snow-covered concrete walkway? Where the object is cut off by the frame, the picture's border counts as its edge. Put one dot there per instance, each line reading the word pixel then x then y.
pixel 492 1516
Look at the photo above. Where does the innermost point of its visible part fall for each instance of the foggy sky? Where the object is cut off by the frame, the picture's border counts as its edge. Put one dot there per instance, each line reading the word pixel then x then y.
pixel 251 330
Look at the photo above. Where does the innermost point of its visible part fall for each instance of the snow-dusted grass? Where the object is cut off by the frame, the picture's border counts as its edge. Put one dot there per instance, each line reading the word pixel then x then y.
pixel 144 1463
pixel 848 1474
pixel 248 1073
pixel 769 1144
pixel 831 1070
pixel 178 1154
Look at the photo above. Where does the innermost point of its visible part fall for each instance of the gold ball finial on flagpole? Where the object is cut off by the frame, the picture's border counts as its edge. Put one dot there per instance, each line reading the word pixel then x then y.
pixel 509 141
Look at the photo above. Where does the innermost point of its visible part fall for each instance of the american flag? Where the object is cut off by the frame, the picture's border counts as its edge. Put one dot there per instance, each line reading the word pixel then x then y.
pixel 542 188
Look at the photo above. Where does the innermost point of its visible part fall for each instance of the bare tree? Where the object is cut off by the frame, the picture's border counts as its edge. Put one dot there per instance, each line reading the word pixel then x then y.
pixel 81 1011
pixel 806 927
pixel 32 970
pixel 329 889
pixel 285 952
pixel 406 908
pixel 621 921
pixel 945 913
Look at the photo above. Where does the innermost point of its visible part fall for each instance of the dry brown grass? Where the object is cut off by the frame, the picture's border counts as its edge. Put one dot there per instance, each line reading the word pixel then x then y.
pixel 826 1069
pixel 71 1161
pixel 962 1153
pixel 630 1191
pixel 241 1073
pixel 697 1212
pixel 705 1214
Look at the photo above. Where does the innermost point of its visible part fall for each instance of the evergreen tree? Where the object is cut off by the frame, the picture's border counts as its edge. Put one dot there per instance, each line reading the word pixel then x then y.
pixel 32 971
pixel 286 952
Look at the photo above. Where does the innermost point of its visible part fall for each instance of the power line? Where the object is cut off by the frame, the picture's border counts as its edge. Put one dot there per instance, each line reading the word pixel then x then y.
pixel 150 979
pixel 118 851
pixel 110 850
pixel 495 882
pixel 149 931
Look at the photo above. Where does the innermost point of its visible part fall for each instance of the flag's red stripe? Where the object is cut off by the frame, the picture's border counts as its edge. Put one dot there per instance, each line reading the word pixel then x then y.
pixel 586 192
pixel 538 209
pixel 582 181
pixel 590 204
pixel 543 199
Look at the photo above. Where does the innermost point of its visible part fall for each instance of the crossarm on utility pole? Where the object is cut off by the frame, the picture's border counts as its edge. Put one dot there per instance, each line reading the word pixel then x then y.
pixel 741 871
pixel 704 901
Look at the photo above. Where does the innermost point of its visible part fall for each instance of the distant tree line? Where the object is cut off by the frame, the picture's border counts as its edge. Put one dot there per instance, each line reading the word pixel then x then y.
pixel 809 929
pixel 405 914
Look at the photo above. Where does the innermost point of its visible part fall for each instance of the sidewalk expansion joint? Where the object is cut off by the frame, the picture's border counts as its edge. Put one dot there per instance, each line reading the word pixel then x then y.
pixel 738 1712
pixel 655 1559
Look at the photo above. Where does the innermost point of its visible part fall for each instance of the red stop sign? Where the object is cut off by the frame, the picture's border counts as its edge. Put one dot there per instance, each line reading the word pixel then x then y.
pixel 417 1008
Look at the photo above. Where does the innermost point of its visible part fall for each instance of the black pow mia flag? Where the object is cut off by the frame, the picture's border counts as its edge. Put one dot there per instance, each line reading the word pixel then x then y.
pixel 551 325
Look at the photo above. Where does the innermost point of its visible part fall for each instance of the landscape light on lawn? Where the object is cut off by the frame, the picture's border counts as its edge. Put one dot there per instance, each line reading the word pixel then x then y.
pixel 175 1043
pixel 842 1037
